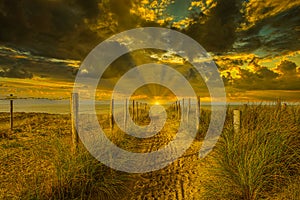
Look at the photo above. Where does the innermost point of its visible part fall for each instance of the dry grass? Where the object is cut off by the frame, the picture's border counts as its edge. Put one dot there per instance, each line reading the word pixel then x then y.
pixel 260 162
pixel 36 163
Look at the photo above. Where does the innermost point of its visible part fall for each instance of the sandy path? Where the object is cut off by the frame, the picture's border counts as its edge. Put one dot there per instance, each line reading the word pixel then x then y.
pixel 179 180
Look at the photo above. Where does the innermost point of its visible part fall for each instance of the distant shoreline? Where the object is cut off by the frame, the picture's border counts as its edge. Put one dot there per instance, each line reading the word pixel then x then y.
pixel 64 109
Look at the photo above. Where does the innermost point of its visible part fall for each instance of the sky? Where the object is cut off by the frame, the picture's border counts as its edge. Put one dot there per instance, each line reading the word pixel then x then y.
pixel 254 43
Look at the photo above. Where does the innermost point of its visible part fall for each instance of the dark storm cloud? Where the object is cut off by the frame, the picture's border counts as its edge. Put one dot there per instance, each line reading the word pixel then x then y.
pixel 60 29
pixel 287 68
pixel 15 72
pixel 21 64
pixel 71 28
pixel 274 35
pixel 29 69
pixel 122 10
pixel 290 76
pixel 89 7
pixel 37 32
pixel 274 32
pixel 267 74
pixel 116 69
pixel 263 79
pixel 218 32
pixel 63 28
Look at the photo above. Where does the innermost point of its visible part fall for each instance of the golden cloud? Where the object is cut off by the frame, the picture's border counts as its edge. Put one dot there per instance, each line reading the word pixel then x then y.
pixel 183 23
pixel 152 10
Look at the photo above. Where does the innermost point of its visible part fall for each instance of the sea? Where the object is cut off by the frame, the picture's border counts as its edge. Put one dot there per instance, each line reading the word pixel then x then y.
pixel 63 106
pixel 49 106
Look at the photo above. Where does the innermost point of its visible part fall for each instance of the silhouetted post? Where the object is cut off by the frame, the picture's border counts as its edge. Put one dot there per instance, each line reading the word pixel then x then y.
pixel 137 111
pixel 143 109
pixel 188 110
pixel 111 115
pixel 178 110
pixel 245 106
pixel 140 109
pixel 125 113
pixel 182 110
pixel 284 106
pixel 74 119
pixel 11 112
pixel 198 111
pixel 278 104
pixel 133 112
pixel 236 121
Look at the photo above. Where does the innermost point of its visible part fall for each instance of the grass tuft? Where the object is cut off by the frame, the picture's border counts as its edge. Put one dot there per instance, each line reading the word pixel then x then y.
pixel 83 177
pixel 260 160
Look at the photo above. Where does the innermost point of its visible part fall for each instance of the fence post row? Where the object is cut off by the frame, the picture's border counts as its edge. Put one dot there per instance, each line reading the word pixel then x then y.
pixel 135 114
pixel 74 119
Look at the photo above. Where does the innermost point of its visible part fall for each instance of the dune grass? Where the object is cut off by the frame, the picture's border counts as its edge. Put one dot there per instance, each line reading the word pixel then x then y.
pixel 262 161
pixel 81 176
pixel 259 162
pixel 37 163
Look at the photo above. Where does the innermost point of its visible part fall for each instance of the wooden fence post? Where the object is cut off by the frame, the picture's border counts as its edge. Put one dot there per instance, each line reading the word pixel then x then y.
pixel 11 113
pixel 74 119
pixel 188 110
pixel 143 109
pixel 125 114
pixel 178 110
pixel 278 104
pixel 111 115
pixel 133 111
pixel 236 121
pixel 137 111
pixel 182 114
pixel 198 111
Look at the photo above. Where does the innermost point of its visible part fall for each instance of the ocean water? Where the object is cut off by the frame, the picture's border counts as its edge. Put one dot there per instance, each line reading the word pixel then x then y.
pixel 49 106
pixel 58 106
pixel 63 106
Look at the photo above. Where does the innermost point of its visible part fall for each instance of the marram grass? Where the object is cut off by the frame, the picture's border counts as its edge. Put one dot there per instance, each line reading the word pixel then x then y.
pixel 259 162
